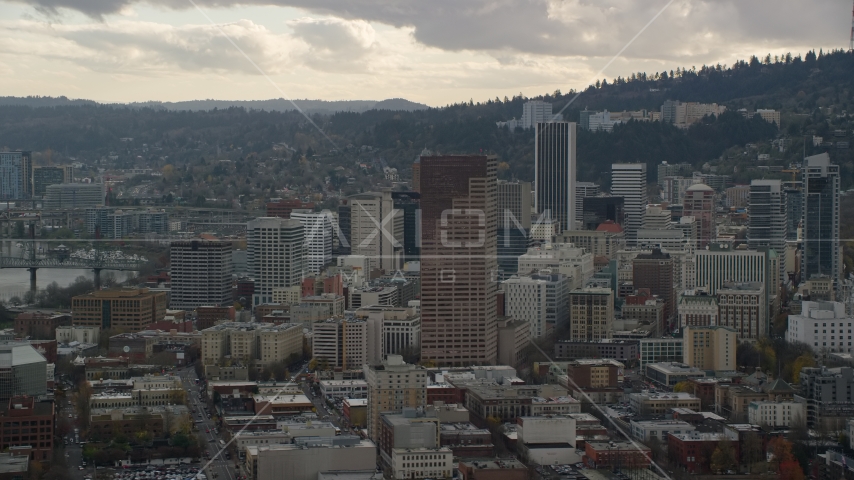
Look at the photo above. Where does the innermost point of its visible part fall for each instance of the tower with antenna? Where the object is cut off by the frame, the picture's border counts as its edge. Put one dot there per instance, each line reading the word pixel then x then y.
pixel 851 42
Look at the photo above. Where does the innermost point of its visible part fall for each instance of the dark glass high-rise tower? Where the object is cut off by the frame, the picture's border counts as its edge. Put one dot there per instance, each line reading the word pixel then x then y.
pixel 820 251
pixel 554 172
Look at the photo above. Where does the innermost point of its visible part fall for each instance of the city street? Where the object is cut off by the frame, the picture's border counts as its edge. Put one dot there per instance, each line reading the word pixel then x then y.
pixel 219 468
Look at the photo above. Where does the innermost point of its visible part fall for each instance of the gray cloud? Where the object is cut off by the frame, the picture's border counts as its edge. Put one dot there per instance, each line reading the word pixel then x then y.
pixel 334 44
pixel 127 47
pixel 690 29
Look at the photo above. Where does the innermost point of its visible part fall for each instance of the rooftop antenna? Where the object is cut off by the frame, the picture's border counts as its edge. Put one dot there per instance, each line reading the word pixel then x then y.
pixel 851 42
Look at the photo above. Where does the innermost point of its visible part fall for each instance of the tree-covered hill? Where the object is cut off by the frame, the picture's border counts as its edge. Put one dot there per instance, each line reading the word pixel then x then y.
pixel 814 94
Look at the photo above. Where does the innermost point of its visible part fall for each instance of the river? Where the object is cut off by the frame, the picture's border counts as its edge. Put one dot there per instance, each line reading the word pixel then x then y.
pixel 16 281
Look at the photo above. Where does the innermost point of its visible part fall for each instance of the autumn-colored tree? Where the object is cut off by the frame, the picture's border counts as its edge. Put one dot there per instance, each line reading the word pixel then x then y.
pixel 683 386
pixel 782 458
pixel 791 470
pixel 805 360
pixel 723 458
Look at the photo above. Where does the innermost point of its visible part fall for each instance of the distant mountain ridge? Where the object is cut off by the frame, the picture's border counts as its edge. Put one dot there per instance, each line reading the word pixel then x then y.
pixel 276 104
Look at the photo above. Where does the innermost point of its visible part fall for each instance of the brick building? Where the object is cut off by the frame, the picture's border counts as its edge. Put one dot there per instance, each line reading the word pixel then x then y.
pixel 26 422
pixel 207 316
pixel 39 325
pixel 654 271
pixel 492 469
pixel 282 208
pixel 624 455
pixel 694 450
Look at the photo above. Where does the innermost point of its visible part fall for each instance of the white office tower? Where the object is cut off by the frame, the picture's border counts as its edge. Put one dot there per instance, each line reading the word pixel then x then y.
pixel 376 230
pixel 275 252
pixel 554 172
pixel 767 221
pixel 628 180
pixel 537 111
pixel 539 299
pixel 317 227
pixel 201 274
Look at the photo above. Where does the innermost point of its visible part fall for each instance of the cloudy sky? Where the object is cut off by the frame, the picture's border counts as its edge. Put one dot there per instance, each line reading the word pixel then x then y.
pixel 430 51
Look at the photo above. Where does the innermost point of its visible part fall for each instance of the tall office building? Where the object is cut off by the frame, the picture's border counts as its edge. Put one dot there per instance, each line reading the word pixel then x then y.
pixel 275 254
pixel 376 230
pixel 409 205
pixel 628 180
pixel 317 228
pixel 794 208
pixel 514 224
pixel 201 274
pixel 820 248
pixel 458 259
pixel 699 202
pixel 554 172
pixel 44 176
pixel 341 241
pixel 720 264
pixel 767 222
pixel 16 170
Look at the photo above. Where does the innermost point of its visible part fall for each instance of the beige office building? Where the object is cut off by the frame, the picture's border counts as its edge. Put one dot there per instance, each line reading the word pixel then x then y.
pixel 264 343
pixel 710 347
pixel 591 314
pixel 604 242
pixel 128 309
pixel 392 386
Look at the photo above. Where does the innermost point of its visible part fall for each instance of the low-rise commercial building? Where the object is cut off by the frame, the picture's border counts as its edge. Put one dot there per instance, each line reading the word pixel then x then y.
pixel 507 402
pixel 691 450
pixel 660 403
pixel 304 460
pixel 626 455
pixel 105 423
pixel 668 374
pixel 289 404
pixel 625 351
pixel 547 440
pixel 344 388
pixel 408 463
pixel 39 325
pixel 492 469
pixel 776 413
pixel 657 430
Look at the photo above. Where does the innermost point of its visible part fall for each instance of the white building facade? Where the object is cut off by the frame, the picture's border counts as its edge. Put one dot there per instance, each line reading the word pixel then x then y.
pixel 824 326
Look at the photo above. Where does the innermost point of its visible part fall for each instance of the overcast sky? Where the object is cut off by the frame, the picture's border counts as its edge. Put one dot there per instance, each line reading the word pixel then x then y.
pixel 430 51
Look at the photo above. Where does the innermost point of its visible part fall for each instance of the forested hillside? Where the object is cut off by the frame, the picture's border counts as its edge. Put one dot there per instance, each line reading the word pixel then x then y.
pixel 91 132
